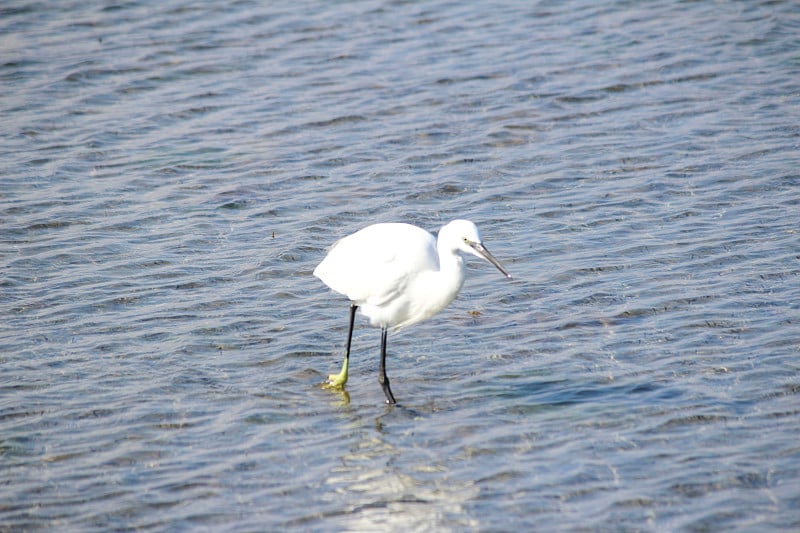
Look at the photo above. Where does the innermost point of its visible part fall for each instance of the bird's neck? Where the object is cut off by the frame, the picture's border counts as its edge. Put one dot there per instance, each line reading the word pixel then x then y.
pixel 433 290
pixel 451 267
pixel 449 278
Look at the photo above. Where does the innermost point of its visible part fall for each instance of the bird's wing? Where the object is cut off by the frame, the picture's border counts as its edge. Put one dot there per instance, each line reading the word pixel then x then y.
pixel 374 265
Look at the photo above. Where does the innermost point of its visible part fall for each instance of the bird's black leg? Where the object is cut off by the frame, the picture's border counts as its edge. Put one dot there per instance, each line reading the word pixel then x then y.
pixel 338 380
pixel 353 308
pixel 382 378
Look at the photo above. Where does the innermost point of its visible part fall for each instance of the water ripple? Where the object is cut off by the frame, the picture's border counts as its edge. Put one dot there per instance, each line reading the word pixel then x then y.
pixel 174 172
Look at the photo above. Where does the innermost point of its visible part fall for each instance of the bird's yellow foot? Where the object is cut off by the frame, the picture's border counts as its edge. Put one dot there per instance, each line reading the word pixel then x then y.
pixel 337 381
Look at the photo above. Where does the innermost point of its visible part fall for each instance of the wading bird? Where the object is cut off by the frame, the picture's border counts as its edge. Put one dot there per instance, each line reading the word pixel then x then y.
pixel 398 275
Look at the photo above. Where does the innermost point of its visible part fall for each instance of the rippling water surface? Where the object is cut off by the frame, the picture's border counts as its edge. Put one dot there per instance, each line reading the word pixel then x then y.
pixel 172 172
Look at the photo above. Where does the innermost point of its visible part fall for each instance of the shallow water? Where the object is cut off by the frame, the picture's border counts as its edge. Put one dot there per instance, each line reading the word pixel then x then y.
pixel 172 173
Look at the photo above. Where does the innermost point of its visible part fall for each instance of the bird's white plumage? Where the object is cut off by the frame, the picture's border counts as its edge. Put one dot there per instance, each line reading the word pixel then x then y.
pixel 399 274
pixel 378 266
pixel 372 266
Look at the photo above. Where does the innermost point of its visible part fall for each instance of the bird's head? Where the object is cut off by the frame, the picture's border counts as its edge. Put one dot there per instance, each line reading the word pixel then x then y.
pixel 463 235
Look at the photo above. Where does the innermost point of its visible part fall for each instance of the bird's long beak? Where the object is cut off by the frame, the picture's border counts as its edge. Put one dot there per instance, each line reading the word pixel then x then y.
pixel 481 251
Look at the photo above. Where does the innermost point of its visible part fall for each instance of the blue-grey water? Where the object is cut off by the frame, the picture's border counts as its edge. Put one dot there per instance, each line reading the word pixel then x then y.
pixel 172 172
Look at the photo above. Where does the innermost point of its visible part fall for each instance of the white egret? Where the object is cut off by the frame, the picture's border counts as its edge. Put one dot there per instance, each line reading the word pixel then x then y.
pixel 398 275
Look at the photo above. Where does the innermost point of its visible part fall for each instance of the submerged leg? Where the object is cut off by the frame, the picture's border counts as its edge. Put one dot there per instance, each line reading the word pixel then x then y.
pixel 338 380
pixel 382 377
